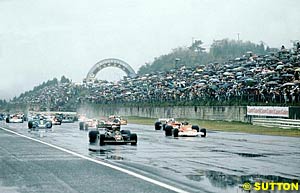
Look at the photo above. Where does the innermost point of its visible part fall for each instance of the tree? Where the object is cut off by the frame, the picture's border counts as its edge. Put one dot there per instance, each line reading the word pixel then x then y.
pixel 228 49
pixel 197 46
pixel 63 79
pixel 220 51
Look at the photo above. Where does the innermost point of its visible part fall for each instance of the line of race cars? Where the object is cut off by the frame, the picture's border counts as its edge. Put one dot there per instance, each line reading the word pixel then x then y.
pixel 40 120
pixel 106 130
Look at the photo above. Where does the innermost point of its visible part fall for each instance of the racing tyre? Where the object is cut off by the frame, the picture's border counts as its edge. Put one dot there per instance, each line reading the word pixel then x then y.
pixel 102 138
pixel 168 130
pixel 125 132
pixel 49 126
pixel 157 125
pixel 86 127
pixel 93 136
pixel 133 137
pixel 164 126
pixel 196 127
pixel 204 132
pixel 30 124
pixel 7 120
pixel 81 125
pixel 175 132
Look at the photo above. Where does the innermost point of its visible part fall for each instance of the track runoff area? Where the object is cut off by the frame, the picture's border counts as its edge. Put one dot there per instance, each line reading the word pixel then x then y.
pixel 139 176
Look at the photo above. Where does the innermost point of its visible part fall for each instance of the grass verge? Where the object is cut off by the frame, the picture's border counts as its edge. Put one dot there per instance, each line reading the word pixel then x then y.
pixel 226 126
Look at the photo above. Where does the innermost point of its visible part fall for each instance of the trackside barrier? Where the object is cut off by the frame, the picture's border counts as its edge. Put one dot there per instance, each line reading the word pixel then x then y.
pixel 277 122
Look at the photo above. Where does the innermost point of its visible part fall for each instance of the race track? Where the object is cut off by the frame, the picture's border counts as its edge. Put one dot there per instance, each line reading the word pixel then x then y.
pixel 222 162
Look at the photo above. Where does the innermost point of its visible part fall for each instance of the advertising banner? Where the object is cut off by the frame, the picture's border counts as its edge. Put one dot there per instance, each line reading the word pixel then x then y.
pixel 268 111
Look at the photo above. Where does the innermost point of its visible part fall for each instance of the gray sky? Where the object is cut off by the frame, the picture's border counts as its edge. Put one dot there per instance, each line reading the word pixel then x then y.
pixel 43 39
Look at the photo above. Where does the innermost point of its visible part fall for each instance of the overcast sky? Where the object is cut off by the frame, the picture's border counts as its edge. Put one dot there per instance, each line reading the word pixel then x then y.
pixel 43 39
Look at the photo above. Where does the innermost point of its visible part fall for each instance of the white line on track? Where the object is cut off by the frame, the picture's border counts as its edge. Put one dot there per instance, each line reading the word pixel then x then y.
pixel 102 163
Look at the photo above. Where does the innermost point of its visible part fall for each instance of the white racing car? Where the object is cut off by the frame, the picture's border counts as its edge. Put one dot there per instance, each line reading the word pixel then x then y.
pixel 16 118
pixel 87 124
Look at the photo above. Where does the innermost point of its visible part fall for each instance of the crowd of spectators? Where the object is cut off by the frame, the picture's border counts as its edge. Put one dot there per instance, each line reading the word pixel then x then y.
pixel 260 79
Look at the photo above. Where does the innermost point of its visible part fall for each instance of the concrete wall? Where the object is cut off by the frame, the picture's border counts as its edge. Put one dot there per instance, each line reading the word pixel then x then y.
pixel 228 113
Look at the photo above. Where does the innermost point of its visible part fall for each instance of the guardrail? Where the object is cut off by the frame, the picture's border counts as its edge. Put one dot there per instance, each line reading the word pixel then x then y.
pixel 277 122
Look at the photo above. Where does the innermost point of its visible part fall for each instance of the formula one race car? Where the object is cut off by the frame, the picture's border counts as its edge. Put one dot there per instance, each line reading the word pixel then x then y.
pixel 88 123
pixel 55 119
pixel 111 134
pixel 68 119
pixel 117 119
pixel 162 122
pixel 39 122
pixel 184 129
pixel 16 118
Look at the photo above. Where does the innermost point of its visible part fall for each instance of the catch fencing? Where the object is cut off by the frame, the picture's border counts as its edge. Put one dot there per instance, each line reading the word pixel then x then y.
pixel 277 122
pixel 281 117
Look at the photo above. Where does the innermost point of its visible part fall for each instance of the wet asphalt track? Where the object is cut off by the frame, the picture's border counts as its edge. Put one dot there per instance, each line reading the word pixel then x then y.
pixel 219 163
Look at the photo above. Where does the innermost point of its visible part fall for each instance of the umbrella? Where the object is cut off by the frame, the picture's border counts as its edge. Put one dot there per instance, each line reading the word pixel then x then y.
pixel 201 84
pixel 213 87
pixel 214 80
pixel 250 81
pixel 238 69
pixel 268 72
pixel 287 75
pixel 272 83
pixel 279 67
pixel 239 73
pixel 230 77
pixel 288 84
pixel 290 70
pixel 227 74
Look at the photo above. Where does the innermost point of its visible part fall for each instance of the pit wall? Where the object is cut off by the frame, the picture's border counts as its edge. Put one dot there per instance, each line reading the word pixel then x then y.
pixel 227 113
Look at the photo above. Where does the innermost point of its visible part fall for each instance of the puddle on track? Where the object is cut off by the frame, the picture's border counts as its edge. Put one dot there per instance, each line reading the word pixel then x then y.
pixel 241 154
pixel 234 183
